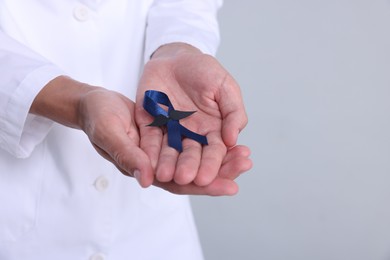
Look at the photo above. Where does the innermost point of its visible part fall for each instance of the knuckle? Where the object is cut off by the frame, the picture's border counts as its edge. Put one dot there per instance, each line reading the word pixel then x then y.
pixel 203 179
pixel 120 159
pixel 184 177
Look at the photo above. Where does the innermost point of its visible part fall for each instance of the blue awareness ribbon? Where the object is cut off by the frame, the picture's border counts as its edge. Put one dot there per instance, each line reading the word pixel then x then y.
pixel 169 118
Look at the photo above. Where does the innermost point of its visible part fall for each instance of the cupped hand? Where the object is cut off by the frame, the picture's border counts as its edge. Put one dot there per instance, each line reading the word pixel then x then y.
pixel 107 118
pixel 194 82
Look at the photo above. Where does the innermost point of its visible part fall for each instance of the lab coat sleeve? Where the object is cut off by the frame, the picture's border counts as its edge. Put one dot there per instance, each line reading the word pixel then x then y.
pixel 23 74
pixel 190 21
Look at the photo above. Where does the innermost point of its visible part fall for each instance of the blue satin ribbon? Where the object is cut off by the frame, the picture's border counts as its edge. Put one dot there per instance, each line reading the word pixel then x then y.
pixel 169 118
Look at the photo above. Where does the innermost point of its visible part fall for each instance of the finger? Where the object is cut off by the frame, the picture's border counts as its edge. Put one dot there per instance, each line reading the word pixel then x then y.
pixel 188 162
pixel 212 157
pixel 108 157
pixel 135 161
pixel 122 148
pixel 219 187
pixel 167 162
pixel 130 161
pixel 237 151
pixel 150 137
pixel 232 110
pixel 234 168
pixel 236 162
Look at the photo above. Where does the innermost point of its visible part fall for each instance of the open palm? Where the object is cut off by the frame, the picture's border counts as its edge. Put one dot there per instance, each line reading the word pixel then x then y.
pixel 195 82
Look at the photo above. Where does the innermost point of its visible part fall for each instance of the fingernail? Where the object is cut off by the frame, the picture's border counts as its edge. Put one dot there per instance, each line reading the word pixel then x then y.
pixel 137 175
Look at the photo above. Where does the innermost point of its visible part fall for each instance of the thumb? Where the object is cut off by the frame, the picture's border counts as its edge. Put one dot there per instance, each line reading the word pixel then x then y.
pixel 122 150
pixel 234 117
pixel 136 163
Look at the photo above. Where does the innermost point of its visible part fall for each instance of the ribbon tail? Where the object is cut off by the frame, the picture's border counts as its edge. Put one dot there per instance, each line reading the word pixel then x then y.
pixel 174 136
pixel 192 135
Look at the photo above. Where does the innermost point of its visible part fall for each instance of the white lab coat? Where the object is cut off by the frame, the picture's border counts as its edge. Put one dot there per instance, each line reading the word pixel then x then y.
pixel 58 198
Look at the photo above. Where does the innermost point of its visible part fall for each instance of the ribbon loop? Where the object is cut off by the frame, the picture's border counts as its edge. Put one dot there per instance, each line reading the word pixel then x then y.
pixel 170 118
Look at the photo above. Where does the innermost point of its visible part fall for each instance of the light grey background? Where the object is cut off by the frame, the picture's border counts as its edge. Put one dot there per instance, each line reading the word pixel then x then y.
pixel 315 76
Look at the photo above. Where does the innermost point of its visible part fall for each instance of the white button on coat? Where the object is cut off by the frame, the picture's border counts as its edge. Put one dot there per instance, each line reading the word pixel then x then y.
pixel 97 256
pixel 101 183
pixel 81 13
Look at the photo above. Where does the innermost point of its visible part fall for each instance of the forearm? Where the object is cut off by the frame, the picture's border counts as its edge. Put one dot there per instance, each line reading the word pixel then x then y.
pixel 60 101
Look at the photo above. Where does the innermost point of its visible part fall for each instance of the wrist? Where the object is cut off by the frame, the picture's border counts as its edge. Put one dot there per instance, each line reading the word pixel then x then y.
pixel 59 100
pixel 174 49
